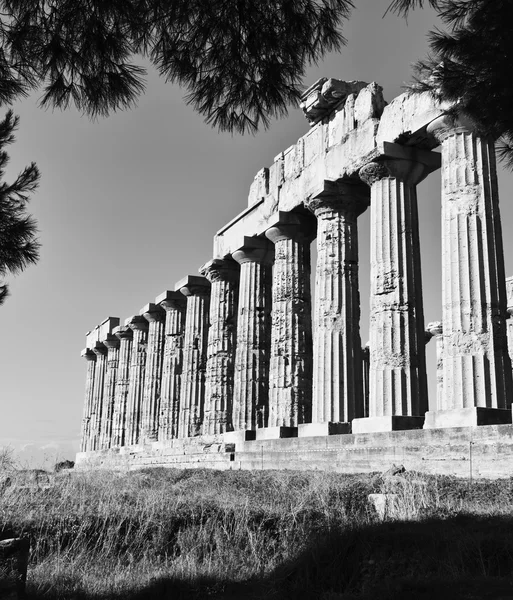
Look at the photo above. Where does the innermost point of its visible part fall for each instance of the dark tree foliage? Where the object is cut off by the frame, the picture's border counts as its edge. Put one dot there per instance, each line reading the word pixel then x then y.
pixel 241 61
pixel 18 244
pixel 471 64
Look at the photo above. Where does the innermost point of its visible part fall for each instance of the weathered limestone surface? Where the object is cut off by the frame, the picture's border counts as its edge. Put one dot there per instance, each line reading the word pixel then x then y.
pixel 290 369
pixel 156 316
pixel 337 367
pixel 174 304
pixel 224 278
pixel 397 377
pixel 251 382
pixel 139 325
pixel 109 396
pixel 192 396
pixel 436 331
pixel 125 336
pixel 98 393
pixel 90 356
pixel 477 367
pixel 509 323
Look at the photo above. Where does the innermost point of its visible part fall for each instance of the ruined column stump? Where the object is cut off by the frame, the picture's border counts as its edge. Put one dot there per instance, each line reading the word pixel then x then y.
pixel 337 363
pixel 251 378
pixel 398 396
pixel 222 335
pixel 477 378
pixel 174 304
pixel 14 555
pixel 192 396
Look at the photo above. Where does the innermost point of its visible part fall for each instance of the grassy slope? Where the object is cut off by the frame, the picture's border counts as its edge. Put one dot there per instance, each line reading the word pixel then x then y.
pixel 204 534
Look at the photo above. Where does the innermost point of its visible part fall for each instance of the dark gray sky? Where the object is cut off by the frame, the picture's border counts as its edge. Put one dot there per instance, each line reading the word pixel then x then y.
pixel 129 205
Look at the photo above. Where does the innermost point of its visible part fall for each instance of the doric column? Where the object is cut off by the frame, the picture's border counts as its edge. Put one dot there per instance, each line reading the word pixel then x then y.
pixel 337 365
pixel 436 330
pixel 174 304
pixel 397 375
pixel 125 336
pixel 192 396
pixel 509 322
pixel 290 371
pixel 156 317
pixel 223 275
pixel 251 377
pixel 366 370
pixel 98 394
pixel 112 344
pixel 477 379
pixel 139 325
pixel 90 356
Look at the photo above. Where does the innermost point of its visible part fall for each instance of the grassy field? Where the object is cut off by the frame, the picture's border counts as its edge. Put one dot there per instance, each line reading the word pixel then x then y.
pixel 165 533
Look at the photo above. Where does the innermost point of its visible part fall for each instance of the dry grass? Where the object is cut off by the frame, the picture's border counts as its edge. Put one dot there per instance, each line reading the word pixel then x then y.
pixel 206 534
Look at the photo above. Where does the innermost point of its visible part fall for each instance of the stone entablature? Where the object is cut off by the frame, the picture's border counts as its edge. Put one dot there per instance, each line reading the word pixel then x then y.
pixel 240 352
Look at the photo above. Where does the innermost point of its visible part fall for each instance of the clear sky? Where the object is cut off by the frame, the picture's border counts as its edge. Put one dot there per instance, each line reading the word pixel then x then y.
pixel 129 205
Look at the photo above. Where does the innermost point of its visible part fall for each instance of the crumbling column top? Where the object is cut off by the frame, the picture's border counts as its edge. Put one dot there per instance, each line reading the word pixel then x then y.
pixel 153 312
pixel 254 249
pixel 170 300
pixel 193 285
pixel 434 328
pixel 221 269
pixel 88 354
pixel 136 322
pixel 346 195
pixel 100 349
pixel 288 225
pixel 123 332
pixel 111 341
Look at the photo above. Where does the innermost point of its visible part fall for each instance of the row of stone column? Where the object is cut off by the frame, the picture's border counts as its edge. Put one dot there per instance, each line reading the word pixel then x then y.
pixel 233 350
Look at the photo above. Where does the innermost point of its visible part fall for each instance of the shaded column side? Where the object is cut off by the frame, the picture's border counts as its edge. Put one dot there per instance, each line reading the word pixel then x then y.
pixel 112 343
pixel 119 421
pixel 139 326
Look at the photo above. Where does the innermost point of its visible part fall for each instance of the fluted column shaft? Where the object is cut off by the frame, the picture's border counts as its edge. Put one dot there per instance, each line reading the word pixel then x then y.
pixel 251 377
pixel 436 330
pixel 139 326
pixel 477 367
pixel 337 365
pixel 366 373
pixel 174 304
pixel 125 335
pixel 112 344
pixel 98 394
pixel 192 396
pixel 290 370
pixel 224 279
pixel 156 316
pixel 90 356
pixel 397 377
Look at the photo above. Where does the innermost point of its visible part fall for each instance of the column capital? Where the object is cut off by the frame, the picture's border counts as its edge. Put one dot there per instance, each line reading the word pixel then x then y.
pixel 136 322
pixel 254 249
pixel 288 225
pixel 192 285
pixel 221 269
pixel 123 332
pixel 88 354
pixel 408 164
pixel 153 312
pixel 449 124
pixel 348 196
pixel 170 300
pixel 434 328
pixel 100 349
pixel 111 341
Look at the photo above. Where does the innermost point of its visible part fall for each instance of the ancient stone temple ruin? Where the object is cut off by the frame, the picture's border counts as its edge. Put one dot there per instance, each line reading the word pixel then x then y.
pixel 237 367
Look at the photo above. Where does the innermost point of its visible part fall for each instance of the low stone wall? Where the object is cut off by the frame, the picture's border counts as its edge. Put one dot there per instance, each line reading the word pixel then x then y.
pixel 480 452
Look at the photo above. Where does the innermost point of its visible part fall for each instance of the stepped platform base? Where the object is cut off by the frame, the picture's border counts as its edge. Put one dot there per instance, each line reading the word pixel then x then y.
pixel 393 423
pixel 485 451
pixel 467 417
pixel 324 428
pixel 275 433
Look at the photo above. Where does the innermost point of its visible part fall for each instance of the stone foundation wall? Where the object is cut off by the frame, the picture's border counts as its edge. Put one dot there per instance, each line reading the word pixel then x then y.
pixel 480 452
